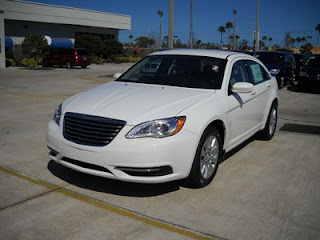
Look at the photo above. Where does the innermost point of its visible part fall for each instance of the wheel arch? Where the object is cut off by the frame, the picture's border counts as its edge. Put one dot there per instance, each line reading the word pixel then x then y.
pixel 220 126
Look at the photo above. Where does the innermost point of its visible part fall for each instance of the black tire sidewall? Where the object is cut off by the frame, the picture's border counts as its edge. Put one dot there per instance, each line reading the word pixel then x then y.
pixel 265 134
pixel 195 178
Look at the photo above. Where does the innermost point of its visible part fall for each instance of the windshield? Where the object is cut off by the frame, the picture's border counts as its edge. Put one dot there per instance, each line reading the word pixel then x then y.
pixel 180 71
pixel 270 58
pixel 313 61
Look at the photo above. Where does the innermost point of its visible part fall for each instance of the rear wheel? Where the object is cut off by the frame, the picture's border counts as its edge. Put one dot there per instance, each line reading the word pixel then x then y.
pixel 270 128
pixel 206 161
pixel 83 66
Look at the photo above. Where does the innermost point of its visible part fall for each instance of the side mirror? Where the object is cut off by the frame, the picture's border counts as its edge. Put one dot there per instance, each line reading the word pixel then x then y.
pixel 242 87
pixel 116 75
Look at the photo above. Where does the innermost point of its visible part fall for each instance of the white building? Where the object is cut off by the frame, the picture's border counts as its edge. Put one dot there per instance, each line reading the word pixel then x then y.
pixel 59 24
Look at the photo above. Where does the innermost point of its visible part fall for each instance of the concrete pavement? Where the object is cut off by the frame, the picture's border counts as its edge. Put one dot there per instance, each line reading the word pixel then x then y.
pixel 263 190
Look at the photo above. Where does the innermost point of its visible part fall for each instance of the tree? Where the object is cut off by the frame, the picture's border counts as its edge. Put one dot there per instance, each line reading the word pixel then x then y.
pixel 229 25
pixel 34 46
pixel 130 37
pixel 111 47
pixel 317 28
pixel 306 48
pixel 160 13
pixel 92 43
pixel 288 40
pixel 144 42
pixel 243 46
pixel 234 29
pixel 221 29
pixel 234 38
pixel 179 44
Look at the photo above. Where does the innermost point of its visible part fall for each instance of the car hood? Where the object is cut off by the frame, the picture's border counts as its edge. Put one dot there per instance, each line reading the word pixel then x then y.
pixel 135 103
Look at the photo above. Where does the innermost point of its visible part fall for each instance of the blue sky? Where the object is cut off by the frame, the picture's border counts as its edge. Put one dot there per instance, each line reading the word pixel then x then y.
pixel 276 17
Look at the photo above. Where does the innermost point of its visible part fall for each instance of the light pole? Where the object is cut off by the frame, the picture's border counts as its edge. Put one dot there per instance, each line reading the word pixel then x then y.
pixel 191 15
pixel 170 32
pixel 160 13
pixel 257 33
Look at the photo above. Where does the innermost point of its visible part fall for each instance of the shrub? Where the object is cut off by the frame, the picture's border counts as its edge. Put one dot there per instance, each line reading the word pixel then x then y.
pixel 28 62
pixel 18 54
pixel 123 59
pixel 111 47
pixel 31 62
pixel 92 43
pixel 10 62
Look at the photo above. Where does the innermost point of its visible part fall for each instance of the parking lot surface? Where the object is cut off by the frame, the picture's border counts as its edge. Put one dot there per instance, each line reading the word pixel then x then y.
pixel 263 189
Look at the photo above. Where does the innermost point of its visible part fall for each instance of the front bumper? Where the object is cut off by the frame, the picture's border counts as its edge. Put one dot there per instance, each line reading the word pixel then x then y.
pixel 144 160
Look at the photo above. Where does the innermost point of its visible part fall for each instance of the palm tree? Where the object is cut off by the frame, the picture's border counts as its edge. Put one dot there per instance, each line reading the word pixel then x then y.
pixel 130 37
pixel 270 39
pixel 318 30
pixel 221 29
pixel 234 28
pixel 229 25
pixel 160 13
pixel 264 38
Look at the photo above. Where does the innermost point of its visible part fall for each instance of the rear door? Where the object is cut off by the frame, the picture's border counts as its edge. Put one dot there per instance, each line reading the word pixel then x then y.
pixel 261 81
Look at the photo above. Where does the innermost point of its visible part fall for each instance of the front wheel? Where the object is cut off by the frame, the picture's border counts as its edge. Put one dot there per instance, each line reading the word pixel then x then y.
pixel 270 128
pixel 207 158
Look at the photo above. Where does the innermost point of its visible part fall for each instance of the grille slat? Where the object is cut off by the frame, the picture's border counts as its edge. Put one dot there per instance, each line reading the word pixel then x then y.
pixel 90 123
pixel 90 130
pixel 85 135
pixel 86 131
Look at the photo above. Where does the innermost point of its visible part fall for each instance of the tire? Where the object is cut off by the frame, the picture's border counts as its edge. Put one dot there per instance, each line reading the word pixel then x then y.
pixel 271 124
pixel 84 66
pixel 68 64
pixel 207 158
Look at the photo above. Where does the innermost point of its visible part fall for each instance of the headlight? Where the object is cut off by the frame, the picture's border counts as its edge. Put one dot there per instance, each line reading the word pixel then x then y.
pixel 275 71
pixel 157 128
pixel 303 74
pixel 57 114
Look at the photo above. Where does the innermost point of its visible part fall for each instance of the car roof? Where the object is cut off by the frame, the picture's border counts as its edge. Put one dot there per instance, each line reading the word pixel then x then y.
pixel 223 54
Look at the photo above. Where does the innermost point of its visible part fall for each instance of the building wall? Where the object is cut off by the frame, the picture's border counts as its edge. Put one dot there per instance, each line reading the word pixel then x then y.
pixel 20 18
pixel 17 30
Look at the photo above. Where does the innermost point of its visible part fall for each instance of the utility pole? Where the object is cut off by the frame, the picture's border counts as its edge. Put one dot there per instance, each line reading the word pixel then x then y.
pixel 257 33
pixel 170 32
pixel 191 15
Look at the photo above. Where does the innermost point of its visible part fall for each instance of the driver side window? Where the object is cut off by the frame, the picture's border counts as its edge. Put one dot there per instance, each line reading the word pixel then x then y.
pixel 239 74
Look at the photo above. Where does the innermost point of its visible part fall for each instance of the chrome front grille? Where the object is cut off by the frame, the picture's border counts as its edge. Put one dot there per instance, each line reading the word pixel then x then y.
pixel 90 130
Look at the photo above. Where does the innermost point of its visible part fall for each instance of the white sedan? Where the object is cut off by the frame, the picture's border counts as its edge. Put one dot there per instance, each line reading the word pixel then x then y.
pixel 171 116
